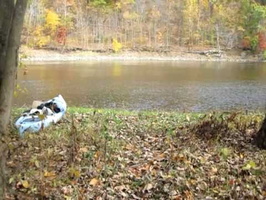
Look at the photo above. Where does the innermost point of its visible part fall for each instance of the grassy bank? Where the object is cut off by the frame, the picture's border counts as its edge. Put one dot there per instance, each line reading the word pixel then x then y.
pixel 117 154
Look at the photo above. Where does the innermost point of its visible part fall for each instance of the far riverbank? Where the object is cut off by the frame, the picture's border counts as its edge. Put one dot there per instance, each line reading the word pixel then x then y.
pixel 33 55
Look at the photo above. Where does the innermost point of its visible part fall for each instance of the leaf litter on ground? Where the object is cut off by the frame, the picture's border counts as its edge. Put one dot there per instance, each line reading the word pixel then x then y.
pixel 138 155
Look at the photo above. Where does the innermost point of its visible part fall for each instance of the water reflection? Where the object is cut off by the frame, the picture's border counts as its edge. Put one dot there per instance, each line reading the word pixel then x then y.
pixel 189 86
pixel 117 70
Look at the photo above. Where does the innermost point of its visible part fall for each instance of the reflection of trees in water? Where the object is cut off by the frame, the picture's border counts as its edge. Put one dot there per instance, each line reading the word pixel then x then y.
pixel 153 85
pixel 117 69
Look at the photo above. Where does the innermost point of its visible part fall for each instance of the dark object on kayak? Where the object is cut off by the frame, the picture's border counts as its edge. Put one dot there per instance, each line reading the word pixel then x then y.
pixel 44 115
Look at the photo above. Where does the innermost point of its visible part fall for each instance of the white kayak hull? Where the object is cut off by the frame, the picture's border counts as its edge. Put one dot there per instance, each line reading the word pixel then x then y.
pixel 35 120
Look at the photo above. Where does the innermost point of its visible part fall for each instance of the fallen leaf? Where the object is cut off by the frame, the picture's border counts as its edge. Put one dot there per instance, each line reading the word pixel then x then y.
pixel 49 174
pixel 130 147
pixel 232 182
pixel 11 180
pixel 67 190
pixel 214 170
pixel 74 173
pixel 41 116
pixel 25 184
pixel 149 186
pixel 67 197
pixel 37 164
pixel 83 150
pixel 94 182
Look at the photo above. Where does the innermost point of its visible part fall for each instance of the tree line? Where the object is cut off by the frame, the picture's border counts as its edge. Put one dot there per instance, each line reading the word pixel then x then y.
pixel 153 25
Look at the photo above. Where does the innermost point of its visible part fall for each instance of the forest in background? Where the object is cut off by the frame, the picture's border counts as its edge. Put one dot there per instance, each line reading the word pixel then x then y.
pixel 146 25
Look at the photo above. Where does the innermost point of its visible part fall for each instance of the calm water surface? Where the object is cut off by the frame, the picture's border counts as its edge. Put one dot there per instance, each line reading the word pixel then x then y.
pixel 179 86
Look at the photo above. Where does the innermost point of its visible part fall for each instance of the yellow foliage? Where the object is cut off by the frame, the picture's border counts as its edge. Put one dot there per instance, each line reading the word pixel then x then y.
pixel 191 9
pixel 116 45
pixel 38 31
pixel 123 3
pixel 128 15
pixel 42 41
pixel 52 20
pixel 129 1
pixel 19 90
pixel 118 5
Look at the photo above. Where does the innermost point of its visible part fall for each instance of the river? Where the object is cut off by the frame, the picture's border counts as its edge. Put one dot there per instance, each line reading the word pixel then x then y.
pixel 140 85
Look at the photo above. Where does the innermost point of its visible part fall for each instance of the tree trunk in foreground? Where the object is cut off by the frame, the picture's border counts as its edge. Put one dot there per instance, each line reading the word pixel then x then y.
pixel 3 151
pixel 260 139
pixel 11 21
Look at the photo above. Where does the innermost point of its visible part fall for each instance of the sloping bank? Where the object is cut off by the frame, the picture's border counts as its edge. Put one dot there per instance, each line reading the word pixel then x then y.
pixel 117 154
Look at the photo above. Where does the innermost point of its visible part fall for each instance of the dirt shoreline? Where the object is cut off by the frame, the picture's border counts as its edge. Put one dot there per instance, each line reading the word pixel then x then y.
pixel 50 55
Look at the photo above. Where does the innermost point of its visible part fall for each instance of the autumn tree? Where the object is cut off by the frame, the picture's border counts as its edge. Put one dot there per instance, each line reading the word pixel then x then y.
pixel 11 21
pixel 140 23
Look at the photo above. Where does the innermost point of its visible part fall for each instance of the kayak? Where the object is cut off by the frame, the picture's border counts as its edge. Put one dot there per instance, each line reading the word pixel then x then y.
pixel 45 114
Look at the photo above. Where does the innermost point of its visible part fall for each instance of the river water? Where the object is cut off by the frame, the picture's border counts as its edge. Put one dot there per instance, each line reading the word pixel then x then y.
pixel 139 85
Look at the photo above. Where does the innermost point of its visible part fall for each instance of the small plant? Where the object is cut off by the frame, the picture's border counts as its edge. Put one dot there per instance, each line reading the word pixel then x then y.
pixel 212 126
pixel 225 152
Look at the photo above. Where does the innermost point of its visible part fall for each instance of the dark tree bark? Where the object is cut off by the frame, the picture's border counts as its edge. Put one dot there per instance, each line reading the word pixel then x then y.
pixel 260 138
pixel 3 150
pixel 11 21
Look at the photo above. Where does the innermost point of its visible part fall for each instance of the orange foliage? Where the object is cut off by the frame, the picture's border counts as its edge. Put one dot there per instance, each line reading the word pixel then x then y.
pixel 61 35
pixel 262 41
pixel 245 43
